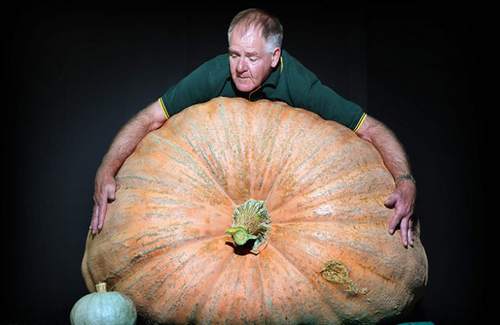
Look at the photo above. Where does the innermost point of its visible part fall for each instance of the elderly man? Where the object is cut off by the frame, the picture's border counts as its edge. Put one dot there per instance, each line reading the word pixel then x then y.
pixel 256 67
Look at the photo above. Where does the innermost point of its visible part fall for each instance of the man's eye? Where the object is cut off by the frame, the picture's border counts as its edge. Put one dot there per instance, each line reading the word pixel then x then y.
pixel 253 59
pixel 233 56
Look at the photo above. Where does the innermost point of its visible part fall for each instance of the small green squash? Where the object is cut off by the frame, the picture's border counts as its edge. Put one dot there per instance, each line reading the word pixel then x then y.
pixel 102 307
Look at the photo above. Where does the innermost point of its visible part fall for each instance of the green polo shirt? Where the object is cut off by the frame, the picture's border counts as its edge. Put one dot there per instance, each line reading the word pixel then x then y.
pixel 289 82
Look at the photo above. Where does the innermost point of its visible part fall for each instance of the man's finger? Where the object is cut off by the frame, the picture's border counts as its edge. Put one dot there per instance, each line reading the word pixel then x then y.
pixel 102 213
pixel 404 231
pixel 410 231
pixel 396 218
pixel 95 215
pixel 111 193
pixel 391 201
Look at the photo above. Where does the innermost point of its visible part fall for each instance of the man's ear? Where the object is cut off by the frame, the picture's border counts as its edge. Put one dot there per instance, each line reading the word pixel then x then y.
pixel 276 57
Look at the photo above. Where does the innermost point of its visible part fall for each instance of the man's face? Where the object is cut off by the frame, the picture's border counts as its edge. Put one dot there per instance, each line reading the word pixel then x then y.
pixel 249 61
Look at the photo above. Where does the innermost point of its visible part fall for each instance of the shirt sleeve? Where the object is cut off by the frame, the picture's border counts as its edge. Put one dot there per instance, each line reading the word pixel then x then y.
pixel 197 87
pixel 308 92
pixel 331 106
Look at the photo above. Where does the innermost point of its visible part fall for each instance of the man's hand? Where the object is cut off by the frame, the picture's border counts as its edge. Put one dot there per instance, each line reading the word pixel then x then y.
pixel 105 188
pixel 147 120
pixel 402 200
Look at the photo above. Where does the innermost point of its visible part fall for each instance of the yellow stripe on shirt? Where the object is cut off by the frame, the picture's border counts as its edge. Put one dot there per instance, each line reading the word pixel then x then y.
pixel 360 122
pixel 164 107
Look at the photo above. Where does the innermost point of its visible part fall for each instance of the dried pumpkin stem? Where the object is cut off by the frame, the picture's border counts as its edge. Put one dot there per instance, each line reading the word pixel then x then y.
pixel 100 287
pixel 251 221
pixel 336 272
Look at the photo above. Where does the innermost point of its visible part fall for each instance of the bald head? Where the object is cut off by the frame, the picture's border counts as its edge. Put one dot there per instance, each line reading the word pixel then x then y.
pixel 257 20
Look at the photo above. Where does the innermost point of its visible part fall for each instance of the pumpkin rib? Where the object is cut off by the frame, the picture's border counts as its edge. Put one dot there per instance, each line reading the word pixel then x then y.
pixel 324 300
pixel 357 263
pixel 272 122
pixel 151 295
pixel 339 203
pixel 351 240
pixel 340 214
pixel 356 225
pixel 338 139
pixel 300 271
pixel 209 290
pixel 166 216
pixel 345 246
pixel 245 265
pixel 168 198
pixel 138 260
pixel 259 271
pixel 303 186
pixel 183 158
pixel 198 153
pixel 133 263
pixel 364 302
pixel 194 285
pixel 334 213
pixel 215 161
pixel 284 124
pixel 289 144
pixel 351 220
pixel 228 284
pixel 280 123
pixel 200 162
pixel 354 176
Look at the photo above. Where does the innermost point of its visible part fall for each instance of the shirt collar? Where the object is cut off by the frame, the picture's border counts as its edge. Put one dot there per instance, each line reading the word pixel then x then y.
pixel 274 76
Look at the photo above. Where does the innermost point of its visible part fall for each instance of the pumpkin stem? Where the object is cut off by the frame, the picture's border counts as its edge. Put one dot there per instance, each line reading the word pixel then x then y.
pixel 251 221
pixel 100 287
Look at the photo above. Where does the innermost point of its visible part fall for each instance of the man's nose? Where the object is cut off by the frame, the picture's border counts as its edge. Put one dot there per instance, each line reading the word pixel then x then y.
pixel 241 66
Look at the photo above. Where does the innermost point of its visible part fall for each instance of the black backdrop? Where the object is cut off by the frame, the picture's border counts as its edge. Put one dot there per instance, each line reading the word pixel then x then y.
pixel 74 77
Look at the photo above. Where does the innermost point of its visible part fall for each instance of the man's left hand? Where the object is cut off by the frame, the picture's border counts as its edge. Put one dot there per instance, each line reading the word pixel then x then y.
pixel 402 200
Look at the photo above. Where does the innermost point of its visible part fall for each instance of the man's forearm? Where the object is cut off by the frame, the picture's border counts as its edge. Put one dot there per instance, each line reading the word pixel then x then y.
pixel 402 199
pixel 147 120
pixel 124 144
pixel 390 148
pixel 128 137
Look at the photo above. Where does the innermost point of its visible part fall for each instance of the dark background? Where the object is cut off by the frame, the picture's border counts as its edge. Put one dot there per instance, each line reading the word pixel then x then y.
pixel 74 77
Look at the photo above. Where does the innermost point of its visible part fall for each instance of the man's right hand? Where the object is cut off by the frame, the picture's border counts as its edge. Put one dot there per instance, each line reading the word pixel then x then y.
pixel 104 193
pixel 147 120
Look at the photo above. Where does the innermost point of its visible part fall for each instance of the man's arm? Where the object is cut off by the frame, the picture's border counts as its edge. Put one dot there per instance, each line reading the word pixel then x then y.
pixel 147 120
pixel 393 154
pixel 307 91
pixel 199 86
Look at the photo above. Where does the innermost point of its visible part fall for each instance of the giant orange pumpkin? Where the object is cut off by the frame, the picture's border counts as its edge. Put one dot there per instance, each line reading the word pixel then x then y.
pixel 324 253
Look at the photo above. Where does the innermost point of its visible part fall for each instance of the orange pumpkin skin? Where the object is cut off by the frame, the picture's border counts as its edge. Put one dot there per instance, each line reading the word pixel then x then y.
pixel 163 242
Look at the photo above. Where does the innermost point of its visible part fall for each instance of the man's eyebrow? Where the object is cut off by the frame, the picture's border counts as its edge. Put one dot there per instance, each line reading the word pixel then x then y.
pixel 253 53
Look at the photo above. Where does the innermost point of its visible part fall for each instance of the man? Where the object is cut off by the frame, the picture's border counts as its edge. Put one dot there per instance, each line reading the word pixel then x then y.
pixel 254 68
